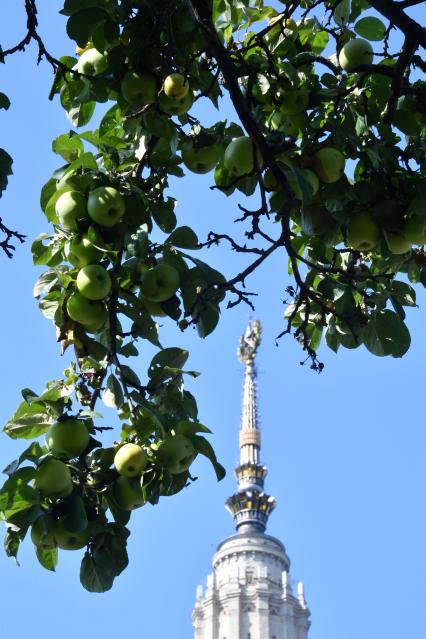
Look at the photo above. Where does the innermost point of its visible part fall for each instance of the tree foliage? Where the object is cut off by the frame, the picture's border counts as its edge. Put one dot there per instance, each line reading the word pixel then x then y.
pixel 328 147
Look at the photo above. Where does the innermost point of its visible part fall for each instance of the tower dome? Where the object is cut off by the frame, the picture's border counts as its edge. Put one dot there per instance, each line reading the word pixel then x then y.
pixel 249 593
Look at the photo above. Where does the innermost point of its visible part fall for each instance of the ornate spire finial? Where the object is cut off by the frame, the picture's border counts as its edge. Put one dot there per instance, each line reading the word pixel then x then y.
pixel 250 506
pixel 249 342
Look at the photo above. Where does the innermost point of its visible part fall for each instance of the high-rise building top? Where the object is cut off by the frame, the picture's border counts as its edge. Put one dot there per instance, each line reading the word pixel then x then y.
pixel 249 593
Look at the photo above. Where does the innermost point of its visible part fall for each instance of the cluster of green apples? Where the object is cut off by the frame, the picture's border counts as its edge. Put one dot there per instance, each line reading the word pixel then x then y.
pixel 364 234
pixel 175 454
pixel 327 166
pixel 56 476
pixel 49 532
pixel 65 440
pixel 103 207
pixel 99 211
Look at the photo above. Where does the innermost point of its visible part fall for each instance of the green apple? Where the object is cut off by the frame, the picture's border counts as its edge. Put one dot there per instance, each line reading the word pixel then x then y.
pixel 42 534
pixel 53 478
pixel 398 243
pixel 201 160
pixel 93 282
pixel 70 208
pixel 329 164
pixel 130 460
pixel 106 205
pixel 177 106
pixel 128 494
pixel 139 89
pixel 92 62
pixel 80 251
pixel 67 539
pixel 175 86
pixel 68 438
pixel 239 156
pixel 293 101
pixel 354 53
pixel 160 283
pixel 415 230
pixel 363 233
pixel 176 453
pixel 90 313
pixel 310 177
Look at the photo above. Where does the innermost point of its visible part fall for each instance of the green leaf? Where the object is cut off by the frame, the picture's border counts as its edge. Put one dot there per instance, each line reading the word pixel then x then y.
pixel 205 448
pixel 342 13
pixel 188 428
pixel 207 318
pixel 4 101
pixel 32 453
pixel 68 146
pixel 81 114
pixel 71 6
pixel 16 496
pixel 130 376
pixel 113 393
pixel 386 334
pixel 404 293
pixel 164 216
pixel 169 357
pixel 6 162
pixel 183 237
pixel 93 576
pixel 45 282
pixel 371 28
pixel 48 557
pixel 82 23
pixel 29 421
pixel 406 122
pixel 109 559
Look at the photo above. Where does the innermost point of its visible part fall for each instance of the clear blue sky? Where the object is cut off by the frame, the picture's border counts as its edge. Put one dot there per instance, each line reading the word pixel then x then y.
pixel 345 450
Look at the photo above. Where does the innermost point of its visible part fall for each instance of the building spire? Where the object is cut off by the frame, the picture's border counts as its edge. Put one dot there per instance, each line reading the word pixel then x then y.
pixel 250 506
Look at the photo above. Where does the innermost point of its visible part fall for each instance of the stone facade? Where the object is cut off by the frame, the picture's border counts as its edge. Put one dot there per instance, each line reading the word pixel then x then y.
pixel 248 595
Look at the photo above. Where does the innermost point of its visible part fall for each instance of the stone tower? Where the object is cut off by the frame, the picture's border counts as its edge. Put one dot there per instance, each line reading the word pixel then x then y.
pixel 249 593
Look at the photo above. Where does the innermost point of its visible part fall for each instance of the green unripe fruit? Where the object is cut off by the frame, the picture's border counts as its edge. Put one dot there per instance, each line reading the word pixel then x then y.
pixel 42 534
pixel 329 164
pixel 53 478
pixel 139 89
pixel 93 282
pixel 176 106
pixel 363 233
pixel 68 438
pixel 106 206
pixel 354 53
pixel 239 156
pixel 70 208
pixel 92 62
pixel 130 460
pixel 90 313
pixel 398 243
pixel 160 283
pixel 176 453
pixel 128 494
pixel 80 251
pixel 67 539
pixel 175 86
